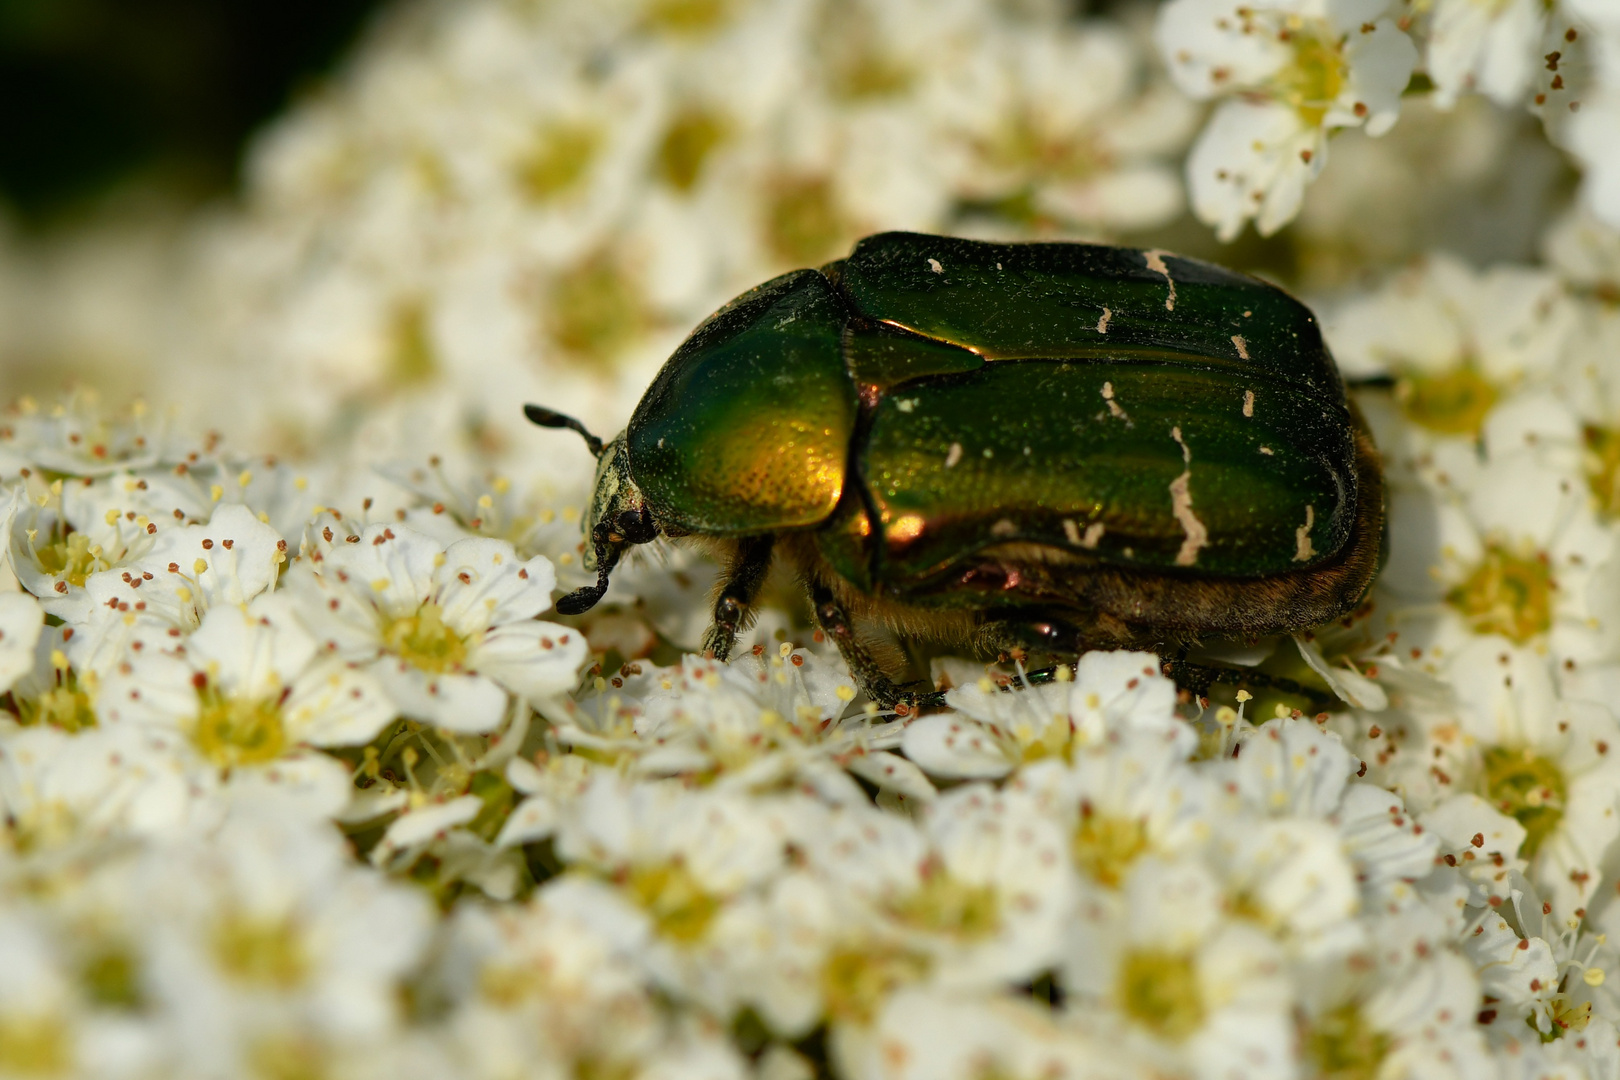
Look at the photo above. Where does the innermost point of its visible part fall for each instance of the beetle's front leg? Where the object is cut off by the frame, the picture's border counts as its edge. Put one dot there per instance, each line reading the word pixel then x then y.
pixel 734 605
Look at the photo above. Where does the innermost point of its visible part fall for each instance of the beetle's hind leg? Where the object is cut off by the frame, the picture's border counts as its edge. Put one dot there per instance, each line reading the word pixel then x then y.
pixel 1196 679
pixel 733 608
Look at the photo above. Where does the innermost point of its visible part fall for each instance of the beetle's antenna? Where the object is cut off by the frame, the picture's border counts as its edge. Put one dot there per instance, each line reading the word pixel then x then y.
pixel 582 600
pixel 545 417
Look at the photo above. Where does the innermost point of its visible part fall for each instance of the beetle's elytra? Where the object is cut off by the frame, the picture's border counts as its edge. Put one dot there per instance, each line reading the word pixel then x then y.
pixel 1057 446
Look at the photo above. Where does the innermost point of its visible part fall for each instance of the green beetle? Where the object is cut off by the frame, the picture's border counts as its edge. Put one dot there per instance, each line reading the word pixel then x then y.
pixel 999 446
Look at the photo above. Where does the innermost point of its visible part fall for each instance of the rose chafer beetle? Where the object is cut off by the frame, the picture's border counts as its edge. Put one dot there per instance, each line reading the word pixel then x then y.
pixel 1042 446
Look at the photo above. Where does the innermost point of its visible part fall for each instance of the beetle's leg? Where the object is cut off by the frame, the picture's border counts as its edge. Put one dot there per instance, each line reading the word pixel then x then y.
pixel 1050 637
pixel 835 621
pixel 735 603
pixel 1198 678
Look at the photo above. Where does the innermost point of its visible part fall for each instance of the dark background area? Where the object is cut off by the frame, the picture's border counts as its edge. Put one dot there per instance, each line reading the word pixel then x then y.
pixel 99 93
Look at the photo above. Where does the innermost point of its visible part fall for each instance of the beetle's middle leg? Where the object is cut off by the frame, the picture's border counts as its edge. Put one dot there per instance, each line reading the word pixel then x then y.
pixel 1028 635
pixel 834 620
pixel 734 606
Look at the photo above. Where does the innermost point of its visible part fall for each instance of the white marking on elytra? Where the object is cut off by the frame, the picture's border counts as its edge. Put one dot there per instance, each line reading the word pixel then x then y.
pixel 1197 536
pixel 933 264
pixel 1302 537
pixel 998 266
pixel 1093 533
pixel 1102 323
pixel 1155 263
pixel 1113 406
pixel 953 455
pixel 1248 403
pixel 1242 346
pixel 1266 450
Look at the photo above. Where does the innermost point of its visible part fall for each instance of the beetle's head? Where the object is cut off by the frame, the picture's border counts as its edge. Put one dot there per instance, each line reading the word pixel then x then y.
pixel 618 514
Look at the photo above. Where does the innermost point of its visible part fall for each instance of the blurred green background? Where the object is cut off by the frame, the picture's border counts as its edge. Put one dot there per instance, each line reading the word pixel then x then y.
pixel 104 93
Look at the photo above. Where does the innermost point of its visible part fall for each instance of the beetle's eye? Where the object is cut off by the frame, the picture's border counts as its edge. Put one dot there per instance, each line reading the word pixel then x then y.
pixel 637 526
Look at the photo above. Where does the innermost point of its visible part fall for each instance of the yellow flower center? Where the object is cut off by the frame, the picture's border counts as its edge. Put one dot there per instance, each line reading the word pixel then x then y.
pixel 1603 467
pixel 1159 989
pixel 263 951
pixel 1528 788
pixel 1450 402
pixel 1346 1047
pixel 424 641
pixel 1313 82
pixel 856 981
pixel 803 224
pixel 65 706
pixel 561 154
pixel 288 1058
pixel 233 731
pixel 111 978
pixel 595 310
pixel 676 901
pixel 412 357
pixel 1507 593
pixel 944 905
pixel 691 137
pixel 1104 847
pixel 1566 1016
pixel 72 558
pixel 686 16
pixel 34 1045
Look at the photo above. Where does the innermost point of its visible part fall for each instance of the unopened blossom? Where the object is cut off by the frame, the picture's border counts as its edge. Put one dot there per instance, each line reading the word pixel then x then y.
pixel 1291 73
pixel 448 632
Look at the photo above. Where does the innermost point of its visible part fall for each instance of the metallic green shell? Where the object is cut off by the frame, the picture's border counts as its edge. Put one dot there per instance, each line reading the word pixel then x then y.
pixel 932 401
pixel 747 428
pixel 1071 301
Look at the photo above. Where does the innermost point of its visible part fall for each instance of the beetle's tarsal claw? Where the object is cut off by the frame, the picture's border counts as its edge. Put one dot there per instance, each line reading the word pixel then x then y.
pixel 539 414
pixel 581 600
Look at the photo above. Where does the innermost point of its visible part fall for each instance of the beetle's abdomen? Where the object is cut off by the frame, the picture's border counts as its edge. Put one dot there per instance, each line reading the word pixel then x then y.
pixel 747 427
pixel 1135 464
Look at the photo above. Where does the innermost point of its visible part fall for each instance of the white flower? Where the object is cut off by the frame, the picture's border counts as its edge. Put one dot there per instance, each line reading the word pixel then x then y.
pixel 1406 1006
pixel 251 693
pixel 767 715
pixel 20 623
pixel 1003 722
pixel 449 632
pixel 1485 46
pixel 67 792
pixel 1180 982
pixel 187 571
pixel 658 868
pixel 1303 69
pixel 927 1034
pixel 265 940
pixel 532 988
pixel 1541 759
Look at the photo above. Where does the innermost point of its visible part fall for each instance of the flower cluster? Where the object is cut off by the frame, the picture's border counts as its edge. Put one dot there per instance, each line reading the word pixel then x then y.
pixel 1289 74
pixel 301 775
